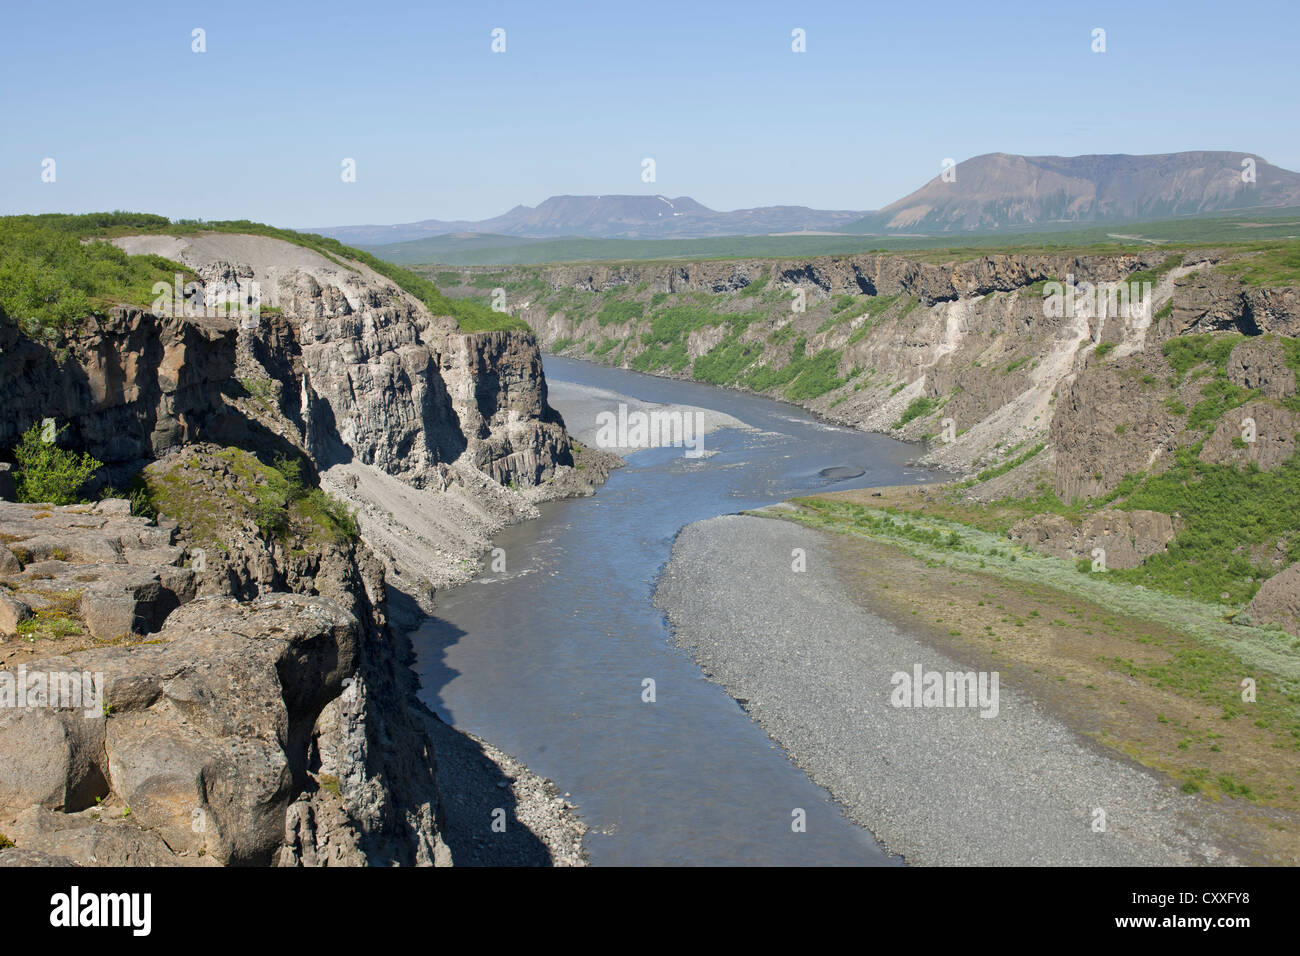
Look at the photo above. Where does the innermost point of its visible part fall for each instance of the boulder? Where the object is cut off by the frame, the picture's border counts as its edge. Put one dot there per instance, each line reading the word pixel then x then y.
pixel 1274 436
pixel 51 757
pixel 1277 602
pixel 1127 537
pixel 13 612
pixel 1261 364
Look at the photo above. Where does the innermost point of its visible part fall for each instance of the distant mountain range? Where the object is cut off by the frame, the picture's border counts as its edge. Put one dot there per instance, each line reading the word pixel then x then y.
pixel 612 217
pixel 996 192
pixel 1003 192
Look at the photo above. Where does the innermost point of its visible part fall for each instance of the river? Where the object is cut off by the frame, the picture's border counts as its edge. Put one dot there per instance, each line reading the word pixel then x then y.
pixel 547 658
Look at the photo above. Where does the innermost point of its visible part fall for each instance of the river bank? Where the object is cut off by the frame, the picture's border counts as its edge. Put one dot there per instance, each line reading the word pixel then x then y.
pixel 940 785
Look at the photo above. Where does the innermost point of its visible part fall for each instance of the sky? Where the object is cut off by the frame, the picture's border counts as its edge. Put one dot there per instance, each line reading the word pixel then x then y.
pixel 441 127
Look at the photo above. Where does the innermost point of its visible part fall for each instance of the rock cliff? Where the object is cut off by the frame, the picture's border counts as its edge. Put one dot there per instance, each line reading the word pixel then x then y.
pixel 255 703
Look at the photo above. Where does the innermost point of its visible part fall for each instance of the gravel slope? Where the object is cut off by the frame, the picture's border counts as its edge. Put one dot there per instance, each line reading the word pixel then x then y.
pixel 939 785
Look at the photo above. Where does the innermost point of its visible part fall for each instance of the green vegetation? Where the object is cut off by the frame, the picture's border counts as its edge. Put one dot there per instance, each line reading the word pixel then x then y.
pixel 44 472
pixel 1246 231
pixel 281 497
pixel 1186 352
pixel 919 407
pixel 1227 511
pixel 50 279
pixel 1104 349
pixel 617 312
pixel 996 471
pixel 275 497
pixel 1190 352
pixel 1274 265
pixel 1156 274
pixel 727 362
pixel 55 618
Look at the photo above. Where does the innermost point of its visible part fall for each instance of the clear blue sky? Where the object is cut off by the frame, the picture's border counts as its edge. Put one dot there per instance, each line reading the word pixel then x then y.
pixel 441 127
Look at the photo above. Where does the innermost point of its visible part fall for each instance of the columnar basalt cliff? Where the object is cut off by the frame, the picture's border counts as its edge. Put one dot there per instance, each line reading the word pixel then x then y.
pixel 257 705
pixel 903 345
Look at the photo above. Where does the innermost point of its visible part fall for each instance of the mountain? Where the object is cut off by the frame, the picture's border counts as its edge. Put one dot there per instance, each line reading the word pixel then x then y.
pixel 996 192
pixel 999 191
pixel 611 217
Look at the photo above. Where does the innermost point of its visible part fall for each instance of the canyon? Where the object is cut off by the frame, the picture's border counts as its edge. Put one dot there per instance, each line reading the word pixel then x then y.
pixel 967 355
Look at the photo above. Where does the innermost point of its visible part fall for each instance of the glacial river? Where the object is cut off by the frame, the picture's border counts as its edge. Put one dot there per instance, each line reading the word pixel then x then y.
pixel 547 659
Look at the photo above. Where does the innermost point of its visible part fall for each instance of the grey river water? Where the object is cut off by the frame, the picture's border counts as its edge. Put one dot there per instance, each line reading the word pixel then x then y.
pixel 546 659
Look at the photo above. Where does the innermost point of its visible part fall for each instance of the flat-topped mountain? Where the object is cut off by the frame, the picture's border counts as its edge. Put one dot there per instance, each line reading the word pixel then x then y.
pixel 1004 191
pixel 612 217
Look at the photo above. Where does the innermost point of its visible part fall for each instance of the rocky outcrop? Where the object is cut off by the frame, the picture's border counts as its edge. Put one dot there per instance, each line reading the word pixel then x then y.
pixel 1260 364
pixel 1217 302
pixel 1278 601
pixel 1272 429
pixel 1127 537
pixel 236 685
pixel 498 393
pixel 871 275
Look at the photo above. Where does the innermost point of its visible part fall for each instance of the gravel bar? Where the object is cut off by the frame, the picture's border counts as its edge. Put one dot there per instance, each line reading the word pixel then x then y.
pixel 939 785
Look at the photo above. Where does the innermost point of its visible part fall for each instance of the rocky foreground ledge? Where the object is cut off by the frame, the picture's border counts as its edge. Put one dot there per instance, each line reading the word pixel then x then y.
pixel 160 725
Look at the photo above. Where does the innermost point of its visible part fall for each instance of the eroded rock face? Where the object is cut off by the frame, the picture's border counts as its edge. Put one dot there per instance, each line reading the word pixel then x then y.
pixel 1214 302
pixel 201 734
pixel 973 343
pixel 499 396
pixel 132 385
pixel 1127 537
pixel 258 708
pixel 862 274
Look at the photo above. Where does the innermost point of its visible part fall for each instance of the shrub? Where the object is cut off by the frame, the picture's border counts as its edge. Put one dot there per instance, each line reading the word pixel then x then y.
pixel 46 472
pixel 618 312
pixel 919 406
